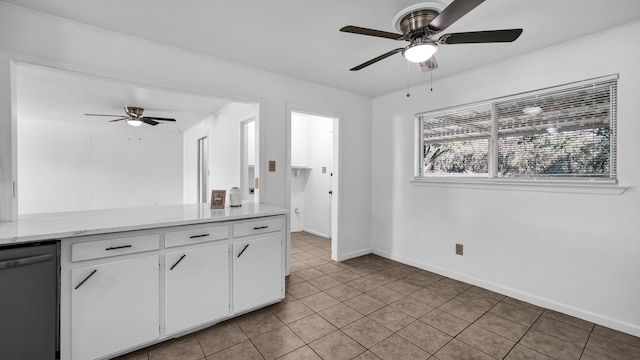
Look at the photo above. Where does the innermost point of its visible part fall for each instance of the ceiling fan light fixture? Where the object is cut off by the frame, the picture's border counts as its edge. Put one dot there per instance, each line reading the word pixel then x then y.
pixel 420 51
pixel 134 122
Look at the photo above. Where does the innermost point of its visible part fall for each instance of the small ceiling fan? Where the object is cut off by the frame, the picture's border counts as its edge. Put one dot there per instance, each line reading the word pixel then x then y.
pixel 134 117
pixel 419 23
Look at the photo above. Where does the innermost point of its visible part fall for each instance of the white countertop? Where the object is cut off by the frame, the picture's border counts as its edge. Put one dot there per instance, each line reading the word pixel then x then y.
pixel 67 224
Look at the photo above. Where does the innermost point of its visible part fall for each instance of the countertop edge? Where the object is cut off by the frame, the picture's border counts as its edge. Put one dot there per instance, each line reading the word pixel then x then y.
pixel 45 227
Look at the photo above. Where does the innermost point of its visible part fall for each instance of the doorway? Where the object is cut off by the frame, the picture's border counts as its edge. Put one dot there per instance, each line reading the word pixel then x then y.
pixel 248 159
pixel 313 177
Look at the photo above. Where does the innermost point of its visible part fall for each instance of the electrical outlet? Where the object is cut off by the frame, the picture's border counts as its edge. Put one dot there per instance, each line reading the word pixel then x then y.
pixel 459 249
pixel 272 165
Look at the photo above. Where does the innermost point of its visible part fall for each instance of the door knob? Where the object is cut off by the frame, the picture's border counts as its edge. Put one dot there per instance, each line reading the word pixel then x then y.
pixel 330 192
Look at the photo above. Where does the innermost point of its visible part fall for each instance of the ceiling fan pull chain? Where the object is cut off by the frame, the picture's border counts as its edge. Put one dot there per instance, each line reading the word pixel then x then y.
pixel 408 95
pixel 431 73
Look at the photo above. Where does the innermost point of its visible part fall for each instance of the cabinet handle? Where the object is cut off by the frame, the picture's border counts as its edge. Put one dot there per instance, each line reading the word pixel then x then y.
pixel 197 236
pixel 85 279
pixel 243 249
pixel 25 261
pixel 118 247
pixel 261 227
pixel 177 262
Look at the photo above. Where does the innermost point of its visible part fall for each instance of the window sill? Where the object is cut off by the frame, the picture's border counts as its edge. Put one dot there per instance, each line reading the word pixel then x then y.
pixel 554 186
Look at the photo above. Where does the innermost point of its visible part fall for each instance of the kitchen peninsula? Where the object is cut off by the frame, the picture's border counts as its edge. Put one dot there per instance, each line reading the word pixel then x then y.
pixel 133 277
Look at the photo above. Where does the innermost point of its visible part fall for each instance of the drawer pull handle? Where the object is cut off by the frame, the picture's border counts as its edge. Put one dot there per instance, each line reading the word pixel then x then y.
pixel 118 247
pixel 178 262
pixel 87 278
pixel 197 236
pixel 25 261
pixel 243 249
pixel 261 227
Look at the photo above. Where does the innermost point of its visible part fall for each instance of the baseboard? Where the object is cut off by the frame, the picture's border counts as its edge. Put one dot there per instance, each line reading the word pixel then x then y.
pixel 354 254
pixel 317 233
pixel 517 294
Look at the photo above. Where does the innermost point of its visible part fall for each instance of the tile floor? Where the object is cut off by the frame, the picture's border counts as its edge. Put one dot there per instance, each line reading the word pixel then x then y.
pixel 374 308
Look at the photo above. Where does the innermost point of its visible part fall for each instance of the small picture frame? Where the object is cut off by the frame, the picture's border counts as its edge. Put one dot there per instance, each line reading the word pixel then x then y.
pixel 218 199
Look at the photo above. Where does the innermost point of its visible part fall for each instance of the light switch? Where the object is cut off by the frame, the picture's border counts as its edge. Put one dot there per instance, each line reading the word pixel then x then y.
pixel 272 165
pixel 324 169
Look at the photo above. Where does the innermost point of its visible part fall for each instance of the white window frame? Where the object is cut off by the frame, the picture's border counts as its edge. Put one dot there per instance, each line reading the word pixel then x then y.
pixel 607 186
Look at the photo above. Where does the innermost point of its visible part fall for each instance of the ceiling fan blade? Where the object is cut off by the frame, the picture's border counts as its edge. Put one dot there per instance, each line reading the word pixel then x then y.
pixel 158 118
pixel 474 37
pixel 453 12
pixel 430 64
pixel 372 32
pixel 375 60
pixel 120 119
pixel 103 115
pixel 146 120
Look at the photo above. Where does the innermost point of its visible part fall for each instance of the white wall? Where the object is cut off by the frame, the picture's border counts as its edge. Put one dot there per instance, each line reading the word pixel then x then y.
pixel 224 145
pixel 223 132
pixel 310 147
pixel 576 253
pixel 298 209
pixel 48 41
pixel 116 165
pixel 300 139
pixel 317 198
pixel 299 179
pixel 190 158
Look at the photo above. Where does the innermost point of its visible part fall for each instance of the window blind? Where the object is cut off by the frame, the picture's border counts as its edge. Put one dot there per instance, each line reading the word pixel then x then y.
pixel 564 131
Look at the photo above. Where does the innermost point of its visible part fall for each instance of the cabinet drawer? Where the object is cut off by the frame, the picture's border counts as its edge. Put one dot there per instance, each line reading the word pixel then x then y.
pixel 257 227
pixel 196 235
pixel 114 247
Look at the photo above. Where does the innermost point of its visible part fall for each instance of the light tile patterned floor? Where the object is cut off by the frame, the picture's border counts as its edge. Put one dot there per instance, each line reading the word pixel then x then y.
pixel 374 308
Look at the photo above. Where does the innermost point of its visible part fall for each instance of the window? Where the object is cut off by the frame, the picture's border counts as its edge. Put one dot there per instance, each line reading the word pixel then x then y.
pixel 564 132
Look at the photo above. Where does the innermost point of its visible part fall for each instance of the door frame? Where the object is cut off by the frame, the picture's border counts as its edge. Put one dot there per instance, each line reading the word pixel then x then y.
pixel 336 167
pixel 245 181
pixel 203 169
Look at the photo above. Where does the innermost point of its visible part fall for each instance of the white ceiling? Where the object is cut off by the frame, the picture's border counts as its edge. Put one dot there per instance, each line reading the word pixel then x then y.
pixel 301 38
pixel 45 93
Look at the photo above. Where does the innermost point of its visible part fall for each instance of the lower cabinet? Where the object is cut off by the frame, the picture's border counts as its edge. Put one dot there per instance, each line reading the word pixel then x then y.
pixel 196 287
pixel 257 272
pixel 114 306
pixel 131 289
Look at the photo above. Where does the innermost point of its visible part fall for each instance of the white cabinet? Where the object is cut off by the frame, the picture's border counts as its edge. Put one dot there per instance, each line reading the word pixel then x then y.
pixel 114 306
pixel 257 271
pixel 130 289
pixel 197 286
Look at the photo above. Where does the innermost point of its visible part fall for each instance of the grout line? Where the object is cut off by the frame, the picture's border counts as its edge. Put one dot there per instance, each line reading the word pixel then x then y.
pixel 587 342
pixel 308 247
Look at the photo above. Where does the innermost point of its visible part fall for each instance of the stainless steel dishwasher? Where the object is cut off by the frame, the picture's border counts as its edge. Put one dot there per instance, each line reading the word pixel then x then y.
pixel 29 302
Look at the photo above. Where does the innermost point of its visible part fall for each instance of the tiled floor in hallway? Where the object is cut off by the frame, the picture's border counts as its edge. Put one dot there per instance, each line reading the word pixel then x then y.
pixel 374 308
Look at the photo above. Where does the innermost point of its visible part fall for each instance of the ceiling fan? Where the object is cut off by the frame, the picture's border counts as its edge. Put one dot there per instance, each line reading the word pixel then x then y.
pixel 419 23
pixel 134 117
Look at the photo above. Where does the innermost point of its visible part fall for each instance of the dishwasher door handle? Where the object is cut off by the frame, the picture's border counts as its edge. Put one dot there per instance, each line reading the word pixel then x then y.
pixel 9 264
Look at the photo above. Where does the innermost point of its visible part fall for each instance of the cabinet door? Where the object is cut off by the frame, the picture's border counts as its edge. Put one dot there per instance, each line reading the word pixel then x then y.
pixel 114 306
pixel 257 272
pixel 197 286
